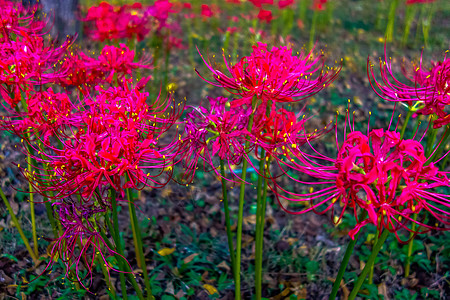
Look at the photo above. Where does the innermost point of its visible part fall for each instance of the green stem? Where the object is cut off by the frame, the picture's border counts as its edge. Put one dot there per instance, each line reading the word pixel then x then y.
pixel 409 18
pixel 376 249
pixel 405 124
pixel 116 237
pixel 237 287
pixel 372 267
pixel 391 21
pixel 344 263
pixel 227 218
pixel 138 238
pixel 312 32
pixel 259 234
pixel 106 275
pixel 410 246
pixel 32 210
pixel 16 223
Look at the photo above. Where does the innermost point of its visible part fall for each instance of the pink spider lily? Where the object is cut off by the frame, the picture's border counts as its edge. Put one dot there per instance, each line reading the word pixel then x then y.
pixel 80 242
pixel 280 130
pixel 47 112
pixel 429 95
pixel 27 61
pixel 15 18
pixel 116 138
pixel 274 75
pixel 117 61
pixel 213 131
pixel 388 177
pixel 106 22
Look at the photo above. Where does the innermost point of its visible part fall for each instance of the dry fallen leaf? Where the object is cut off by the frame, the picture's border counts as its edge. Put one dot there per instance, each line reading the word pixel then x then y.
pixel 210 289
pixel 190 258
pixel 382 290
pixel 166 251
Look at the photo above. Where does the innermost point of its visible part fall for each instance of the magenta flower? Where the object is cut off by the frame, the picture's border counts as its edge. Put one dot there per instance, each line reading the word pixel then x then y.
pixel 117 61
pixel 429 95
pixel 388 177
pixel 274 75
pixel 47 113
pixel 106 22
pixel 80 242
pixel 116 137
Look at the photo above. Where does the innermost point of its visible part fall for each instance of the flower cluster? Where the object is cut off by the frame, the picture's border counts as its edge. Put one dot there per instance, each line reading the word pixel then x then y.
pixel 429 95
pixel 274 75
pixel 379 173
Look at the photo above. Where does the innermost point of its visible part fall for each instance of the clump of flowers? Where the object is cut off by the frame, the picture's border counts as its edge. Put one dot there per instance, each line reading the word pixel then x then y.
pixel 380 173
pixel 116 135
pixel 274 75
pixel 428 95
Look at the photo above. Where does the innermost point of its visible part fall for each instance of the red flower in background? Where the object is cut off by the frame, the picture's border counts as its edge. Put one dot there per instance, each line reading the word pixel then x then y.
pixel 319 4
pixel 285 3
pixel 265 15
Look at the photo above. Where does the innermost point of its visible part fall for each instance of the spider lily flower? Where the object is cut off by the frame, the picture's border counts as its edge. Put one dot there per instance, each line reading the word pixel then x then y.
pixel 274 75
pixel 388 177
pixel 80 242
pixel 117 61
pixel 47 113
pixel 106 22
pixel 429 95
pixel 117 135
pixel 280 131
pixel 27 61
pixel 220 130
pixel 15 18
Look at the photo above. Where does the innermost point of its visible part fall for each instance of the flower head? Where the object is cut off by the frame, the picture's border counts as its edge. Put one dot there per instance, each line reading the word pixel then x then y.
pixel 274 75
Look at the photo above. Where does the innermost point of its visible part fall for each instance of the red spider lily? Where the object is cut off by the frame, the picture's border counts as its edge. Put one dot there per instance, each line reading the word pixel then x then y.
pixel 15 18
pixel 281 130
pixel 213 131
pixel 47 113
pixel 274 75
pixel 106 22
pixel 429 95
pixel 117 137
pixel 259 3
pixel 161 10
pixel 80 242
pixel 388 177
pixel 222 131
pixel 285 3
pixel 26 61
pixel 81 73
pixel 265 15
pixel 206 11
pixel 319 4
pixel 409 2
pixel 116 61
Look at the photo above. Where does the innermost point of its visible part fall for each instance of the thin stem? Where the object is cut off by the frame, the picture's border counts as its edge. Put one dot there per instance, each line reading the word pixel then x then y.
pixel 405 124
pixel 133 227
pixel 344 263
pixel 227 218
pixel 16 223
pixel 260 217
pixel 312 32
pixel 116 237
pixel 106 274
pixel 237 287
pixel 376 249
pixel 32 210
pixel 138 238
pixel 372 267
pixel 410 246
